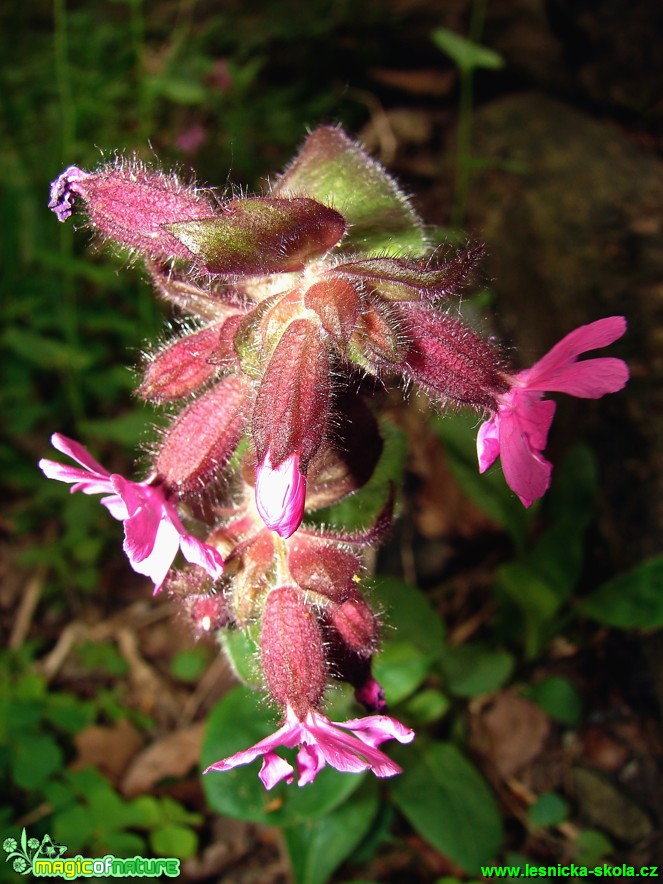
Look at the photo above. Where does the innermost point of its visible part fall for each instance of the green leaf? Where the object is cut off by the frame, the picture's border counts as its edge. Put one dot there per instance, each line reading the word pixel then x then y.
pixel 426 707
pixel 400 667
pixel 449 804
pixel 237 722
pixel 591 847
pixel 242 650
pixel 409 609
pixel 630 600
pixel 35 759
pixel 471 670
pixel 467 55
pixel 558 697
pixel 538 603
pixel 174 840
pixel 488 491
pixel 317 847
pixel 189 664
pixel 548 810
pixel 336 171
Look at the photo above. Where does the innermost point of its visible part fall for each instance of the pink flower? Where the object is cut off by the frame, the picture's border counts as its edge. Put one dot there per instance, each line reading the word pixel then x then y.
pixel 153 532
pixel 348 746
pixel 518 432
pixel 281 494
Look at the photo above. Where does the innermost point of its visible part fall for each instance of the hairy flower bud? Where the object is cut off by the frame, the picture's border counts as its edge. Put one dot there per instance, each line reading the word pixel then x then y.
pixel 204 436
pixel 356 625
pixel 323 567
pixel 131 204
pixel 292 653
pixel 180 368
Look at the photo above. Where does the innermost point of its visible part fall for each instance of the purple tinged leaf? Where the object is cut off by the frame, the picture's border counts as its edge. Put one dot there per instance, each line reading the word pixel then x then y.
pixel 260 235
pixel 400 280
pixel 336 171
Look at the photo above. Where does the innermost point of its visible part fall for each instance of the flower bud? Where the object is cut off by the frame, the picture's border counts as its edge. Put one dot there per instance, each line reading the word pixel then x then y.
pixel 323 567
pixel 281 494
pixel 180 368
pixel 203 437
pixel 292 653
pixel 356 625
pixel 131 204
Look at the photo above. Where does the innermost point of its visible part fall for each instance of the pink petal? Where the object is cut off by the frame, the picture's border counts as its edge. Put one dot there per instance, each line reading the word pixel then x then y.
pixel 158 560
pixel 274 769
pixel 76 451
pixel 581 340
pixel 199 553
pixel 375 729
pixel 590 379
pixel 525 471
pixel 488 446
pixel 115 506
pixel 288 735
pixel 281 495
pixel 310 761
pixel 141 529
pixel 88 483
pixel 345 752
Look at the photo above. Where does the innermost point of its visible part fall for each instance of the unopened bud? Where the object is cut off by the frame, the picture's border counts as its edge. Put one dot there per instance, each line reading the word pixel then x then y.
pixel 182 367
pixel 204 436
pixel 356 625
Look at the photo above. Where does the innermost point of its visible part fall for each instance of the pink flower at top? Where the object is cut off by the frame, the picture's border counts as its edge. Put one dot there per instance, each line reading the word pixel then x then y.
pixel 350 747
pixel 281 494
pixel 518 431
pixel 153 532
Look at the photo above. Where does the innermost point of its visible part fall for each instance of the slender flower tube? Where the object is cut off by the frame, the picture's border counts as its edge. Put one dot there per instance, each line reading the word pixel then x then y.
pixel 153 532
pixel 281 494
pixel 350 747
pixel 518 431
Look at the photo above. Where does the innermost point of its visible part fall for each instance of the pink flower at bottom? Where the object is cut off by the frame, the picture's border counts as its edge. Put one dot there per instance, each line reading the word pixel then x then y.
pixel 350 747
pixel 518 431
pixel 281 494
pixel 153 532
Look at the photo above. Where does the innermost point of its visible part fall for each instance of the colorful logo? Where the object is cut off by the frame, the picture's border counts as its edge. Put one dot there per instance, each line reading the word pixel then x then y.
pixel 45 859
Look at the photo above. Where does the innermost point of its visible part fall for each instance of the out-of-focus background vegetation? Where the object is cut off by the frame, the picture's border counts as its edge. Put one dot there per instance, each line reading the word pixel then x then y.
pixel 524 648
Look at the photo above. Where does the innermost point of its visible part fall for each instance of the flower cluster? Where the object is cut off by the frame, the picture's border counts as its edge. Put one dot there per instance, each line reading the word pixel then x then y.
pixel 301 301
